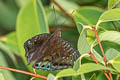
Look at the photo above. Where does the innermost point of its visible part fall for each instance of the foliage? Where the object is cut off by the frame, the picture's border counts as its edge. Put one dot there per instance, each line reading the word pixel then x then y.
pixel 35 16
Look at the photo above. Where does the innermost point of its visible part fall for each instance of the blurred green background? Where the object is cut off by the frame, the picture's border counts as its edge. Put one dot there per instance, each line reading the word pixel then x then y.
pixel 17 24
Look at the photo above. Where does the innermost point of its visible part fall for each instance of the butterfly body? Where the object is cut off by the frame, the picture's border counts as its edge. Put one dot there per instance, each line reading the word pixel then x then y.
pixel 50 52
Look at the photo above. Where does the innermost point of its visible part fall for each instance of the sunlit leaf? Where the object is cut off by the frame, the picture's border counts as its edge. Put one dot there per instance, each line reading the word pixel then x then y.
pixel 66 72
pixel 5 73
pixel 83 45
pixel 111 53
pixel 30 22
pixel 90 67
pixel 93 77
pixel 116 63
pixel 50 77
pixel 111 36
pixel 112 3
pixel 7 52
pixel 108 16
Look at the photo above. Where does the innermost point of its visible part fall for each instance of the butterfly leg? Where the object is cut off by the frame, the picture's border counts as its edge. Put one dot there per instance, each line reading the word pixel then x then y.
pixel 32 78
pixel 34 73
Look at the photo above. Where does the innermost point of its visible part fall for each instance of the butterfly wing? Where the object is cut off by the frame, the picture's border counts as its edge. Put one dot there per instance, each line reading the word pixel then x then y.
pixel 57 52
pixel 33 45
pixel 45 47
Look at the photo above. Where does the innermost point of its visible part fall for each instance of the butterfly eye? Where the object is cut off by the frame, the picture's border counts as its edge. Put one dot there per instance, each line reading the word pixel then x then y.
pixel 29 44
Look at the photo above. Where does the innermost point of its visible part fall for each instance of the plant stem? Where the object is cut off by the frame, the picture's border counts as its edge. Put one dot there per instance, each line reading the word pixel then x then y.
pixel 62 9
pixel 24 72
pixel 101 48
pixel 115 26
pixel 93 57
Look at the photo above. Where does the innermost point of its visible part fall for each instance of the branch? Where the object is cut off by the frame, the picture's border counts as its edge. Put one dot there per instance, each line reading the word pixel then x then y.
pixel 93 57
pixel 63 28
pixel 101 48
pixel 23 72
pixel 63 10
pixel 115 26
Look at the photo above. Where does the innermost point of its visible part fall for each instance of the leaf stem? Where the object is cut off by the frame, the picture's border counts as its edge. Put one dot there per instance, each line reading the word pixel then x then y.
pixel 63 28
pixel 101 48
pixel 115 26
pixel 24 72
pixel 93 57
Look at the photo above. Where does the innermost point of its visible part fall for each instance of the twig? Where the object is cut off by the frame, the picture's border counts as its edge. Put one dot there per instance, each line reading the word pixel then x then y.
pixel 101 48
pixel 63 10
pixel 115 26
pixel 24 72
pixel 63 28
pixel 93 57
pixel 94 30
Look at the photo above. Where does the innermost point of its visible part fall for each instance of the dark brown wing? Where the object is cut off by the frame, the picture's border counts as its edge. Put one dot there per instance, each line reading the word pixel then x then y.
pixel 33 45
pixel 45 47
pixel 57 51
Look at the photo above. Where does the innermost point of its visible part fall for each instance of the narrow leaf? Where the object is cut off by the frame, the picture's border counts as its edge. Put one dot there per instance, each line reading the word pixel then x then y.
pixel 111 36
pixel 83 45
pixel 98 56
pixel 30 22
pixel 112 3
pixel 90 67
pixel 116 63
pixel 111 53
pixel 7 74
pixel 93 77
pixel 51 77
pixel 66 72
pixel 109 15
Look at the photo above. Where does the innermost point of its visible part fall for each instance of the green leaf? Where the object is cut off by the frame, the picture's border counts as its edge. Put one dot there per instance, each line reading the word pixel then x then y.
pixel 108 16
pixel 90 67
pixel 112 3
pixel 98 56
pixel 66 72
pixel 83 45
pixel 93 77
pixel 112 36
pixel 111 53
pixel 40 16
pixel 76 77
pixel 8 53
pixel 77 64
pixel 5 73
pixel 31 21
pixel 116 63
pixel 8 14
pixel 81 15
pixel 70 5
pixel 11 42
pixel 51 77
pixel 1 76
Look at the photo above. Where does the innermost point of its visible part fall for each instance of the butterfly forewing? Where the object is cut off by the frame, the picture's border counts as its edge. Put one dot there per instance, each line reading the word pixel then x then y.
pixel 33 45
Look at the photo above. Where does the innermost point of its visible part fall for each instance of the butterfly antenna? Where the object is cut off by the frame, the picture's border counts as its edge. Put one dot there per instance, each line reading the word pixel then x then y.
pixel 70 14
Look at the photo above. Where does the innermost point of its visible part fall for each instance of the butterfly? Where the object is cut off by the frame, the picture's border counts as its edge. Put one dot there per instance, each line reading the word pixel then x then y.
pixel 50 52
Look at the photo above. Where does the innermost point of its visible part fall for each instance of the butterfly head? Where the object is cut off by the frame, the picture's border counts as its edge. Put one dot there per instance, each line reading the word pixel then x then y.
pixel 29 49
pixel 35 66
